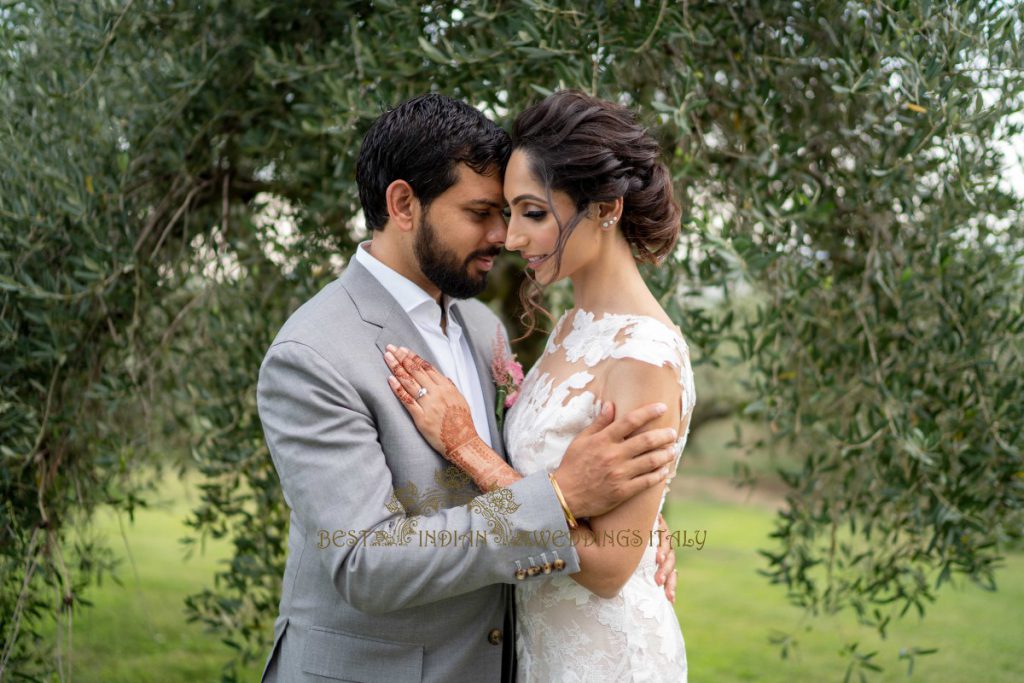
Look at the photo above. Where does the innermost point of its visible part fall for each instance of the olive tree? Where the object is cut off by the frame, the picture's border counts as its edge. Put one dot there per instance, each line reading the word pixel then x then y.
pixel 175 178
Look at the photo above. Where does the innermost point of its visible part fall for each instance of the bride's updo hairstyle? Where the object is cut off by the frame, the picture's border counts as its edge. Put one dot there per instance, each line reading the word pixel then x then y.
pixel 595 151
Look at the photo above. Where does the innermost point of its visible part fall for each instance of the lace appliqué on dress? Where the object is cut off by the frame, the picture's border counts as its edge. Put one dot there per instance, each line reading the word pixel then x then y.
pixel 566 633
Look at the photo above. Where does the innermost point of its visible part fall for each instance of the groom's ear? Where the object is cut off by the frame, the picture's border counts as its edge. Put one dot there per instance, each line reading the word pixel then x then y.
pixel 402 203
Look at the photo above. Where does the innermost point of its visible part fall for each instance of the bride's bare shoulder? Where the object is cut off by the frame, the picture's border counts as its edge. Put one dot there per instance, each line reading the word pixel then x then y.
pixel 661 315
pixel 656 312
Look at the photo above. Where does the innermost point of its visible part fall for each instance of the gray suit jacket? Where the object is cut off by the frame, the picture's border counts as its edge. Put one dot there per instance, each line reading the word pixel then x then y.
pixel 397 569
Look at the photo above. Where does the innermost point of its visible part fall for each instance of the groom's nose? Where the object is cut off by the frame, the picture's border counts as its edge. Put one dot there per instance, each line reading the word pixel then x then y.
pixel 497 231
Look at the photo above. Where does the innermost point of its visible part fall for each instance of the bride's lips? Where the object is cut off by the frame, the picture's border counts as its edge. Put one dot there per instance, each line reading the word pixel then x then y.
pixel 538 262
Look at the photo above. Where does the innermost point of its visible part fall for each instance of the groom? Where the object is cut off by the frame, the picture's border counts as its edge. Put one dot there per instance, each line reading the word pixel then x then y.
pixel 369 592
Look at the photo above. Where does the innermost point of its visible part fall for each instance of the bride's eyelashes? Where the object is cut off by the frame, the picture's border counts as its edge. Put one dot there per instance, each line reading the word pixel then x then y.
pixel 535 214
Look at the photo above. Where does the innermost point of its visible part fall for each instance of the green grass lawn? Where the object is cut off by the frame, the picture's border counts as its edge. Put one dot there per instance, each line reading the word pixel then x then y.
pixel 138 633
pixel 728 612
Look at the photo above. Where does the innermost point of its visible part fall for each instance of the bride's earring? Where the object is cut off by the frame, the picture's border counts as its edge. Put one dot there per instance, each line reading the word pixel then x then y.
pixel 609 223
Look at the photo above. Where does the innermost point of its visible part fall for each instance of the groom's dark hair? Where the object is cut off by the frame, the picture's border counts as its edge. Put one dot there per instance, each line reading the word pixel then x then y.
pixel 420 141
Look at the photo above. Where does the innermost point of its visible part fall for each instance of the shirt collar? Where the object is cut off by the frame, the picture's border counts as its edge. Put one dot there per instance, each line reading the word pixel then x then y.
pixel 410 296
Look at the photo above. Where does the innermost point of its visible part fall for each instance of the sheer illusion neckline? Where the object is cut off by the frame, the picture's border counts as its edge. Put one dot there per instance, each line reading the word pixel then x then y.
pixel 590 319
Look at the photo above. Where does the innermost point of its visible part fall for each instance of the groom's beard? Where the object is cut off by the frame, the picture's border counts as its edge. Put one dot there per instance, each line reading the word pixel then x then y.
pixel 443 267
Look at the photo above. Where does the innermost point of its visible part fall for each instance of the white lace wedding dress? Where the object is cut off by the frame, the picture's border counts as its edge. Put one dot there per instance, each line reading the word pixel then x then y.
pixel 565 633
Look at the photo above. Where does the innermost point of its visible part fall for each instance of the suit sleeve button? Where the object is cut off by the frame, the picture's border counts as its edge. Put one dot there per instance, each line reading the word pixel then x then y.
pixel 494 637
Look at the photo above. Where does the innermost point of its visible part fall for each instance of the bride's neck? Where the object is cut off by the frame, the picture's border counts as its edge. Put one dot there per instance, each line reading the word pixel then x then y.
pixel 611 283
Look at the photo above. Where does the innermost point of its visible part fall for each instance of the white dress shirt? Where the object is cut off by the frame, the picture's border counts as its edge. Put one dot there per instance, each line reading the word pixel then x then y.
pixel 454 357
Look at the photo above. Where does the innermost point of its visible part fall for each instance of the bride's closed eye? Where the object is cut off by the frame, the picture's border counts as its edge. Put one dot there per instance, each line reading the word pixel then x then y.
pixel 535 214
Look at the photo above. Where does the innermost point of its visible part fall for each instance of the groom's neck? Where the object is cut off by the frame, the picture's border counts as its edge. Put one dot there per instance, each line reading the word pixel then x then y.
pixel 385 252
pixel 397 259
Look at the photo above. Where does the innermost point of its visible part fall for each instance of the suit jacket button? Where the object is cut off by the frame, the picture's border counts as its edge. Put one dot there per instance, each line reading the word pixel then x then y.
pixel 494 637
pixel 546 567
pixel 559 564
pixel 533 570
pixel 520 574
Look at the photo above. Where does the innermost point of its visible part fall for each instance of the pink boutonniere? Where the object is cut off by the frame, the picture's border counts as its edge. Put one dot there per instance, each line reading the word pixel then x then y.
pixel 507 374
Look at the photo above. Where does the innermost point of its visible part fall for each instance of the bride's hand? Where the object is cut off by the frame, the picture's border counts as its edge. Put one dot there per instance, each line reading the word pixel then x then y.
pixel 441 414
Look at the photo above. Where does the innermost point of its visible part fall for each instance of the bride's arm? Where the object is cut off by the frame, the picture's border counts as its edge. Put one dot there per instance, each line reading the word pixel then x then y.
pixel 611 546
pixel 448 426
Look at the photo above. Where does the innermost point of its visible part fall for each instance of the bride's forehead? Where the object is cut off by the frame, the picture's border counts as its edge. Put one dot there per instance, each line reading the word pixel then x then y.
pixel 521 184
pixel 519 170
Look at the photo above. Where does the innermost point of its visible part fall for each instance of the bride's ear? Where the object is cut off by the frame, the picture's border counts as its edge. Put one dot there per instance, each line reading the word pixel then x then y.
pixel 607 214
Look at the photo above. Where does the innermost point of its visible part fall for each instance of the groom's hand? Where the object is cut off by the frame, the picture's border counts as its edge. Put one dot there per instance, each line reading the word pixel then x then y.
pixel 666 575
pixel 605 466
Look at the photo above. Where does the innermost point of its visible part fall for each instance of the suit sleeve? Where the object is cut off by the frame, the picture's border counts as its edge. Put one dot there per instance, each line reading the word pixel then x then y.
pixel 334 475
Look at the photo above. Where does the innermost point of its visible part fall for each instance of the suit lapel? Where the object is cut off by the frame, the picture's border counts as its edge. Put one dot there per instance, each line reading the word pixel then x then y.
pixel 377 307
pixel 481 351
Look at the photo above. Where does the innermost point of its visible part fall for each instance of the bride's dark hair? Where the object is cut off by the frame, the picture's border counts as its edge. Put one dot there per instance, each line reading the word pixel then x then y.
pixel 595 151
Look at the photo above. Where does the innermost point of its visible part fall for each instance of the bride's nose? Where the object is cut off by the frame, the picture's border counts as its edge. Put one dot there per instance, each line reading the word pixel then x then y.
pixel 515 240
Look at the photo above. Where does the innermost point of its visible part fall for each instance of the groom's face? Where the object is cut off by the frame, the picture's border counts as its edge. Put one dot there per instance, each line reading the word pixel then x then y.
pixel 461 232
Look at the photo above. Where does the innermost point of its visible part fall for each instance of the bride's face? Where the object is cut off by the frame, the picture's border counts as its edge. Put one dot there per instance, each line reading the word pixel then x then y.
pixel 533 227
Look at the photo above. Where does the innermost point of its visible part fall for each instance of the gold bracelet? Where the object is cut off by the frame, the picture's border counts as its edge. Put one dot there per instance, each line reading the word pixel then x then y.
pixel 561 500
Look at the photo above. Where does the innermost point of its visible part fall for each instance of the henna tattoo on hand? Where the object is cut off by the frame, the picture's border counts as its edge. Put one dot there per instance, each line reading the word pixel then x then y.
pixel 405 397
pixel 457 429
pixel 415 362
pixel 461 444
pixel 461 457
pixel 402 394
pixel 487 470
pixel 401 373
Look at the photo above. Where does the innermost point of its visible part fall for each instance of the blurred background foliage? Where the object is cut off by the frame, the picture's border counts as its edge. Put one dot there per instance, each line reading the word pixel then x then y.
pixel 175 178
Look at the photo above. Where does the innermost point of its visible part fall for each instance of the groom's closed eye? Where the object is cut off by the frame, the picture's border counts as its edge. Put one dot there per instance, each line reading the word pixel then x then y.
pixel 485 214
pixel 482 207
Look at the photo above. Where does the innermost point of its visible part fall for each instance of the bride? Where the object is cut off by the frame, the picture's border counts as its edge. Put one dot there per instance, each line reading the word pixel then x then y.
pixel 588 200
